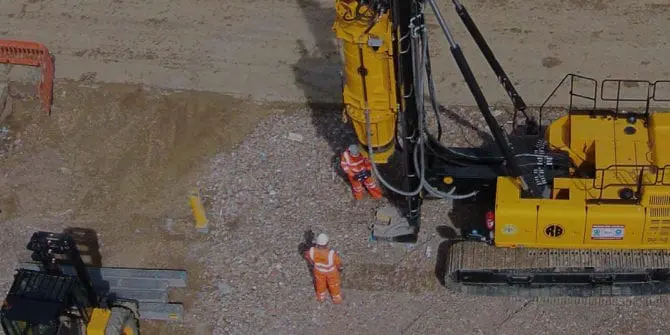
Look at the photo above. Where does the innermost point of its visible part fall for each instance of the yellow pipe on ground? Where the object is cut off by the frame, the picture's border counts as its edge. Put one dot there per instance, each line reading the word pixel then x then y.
pixel 369 76
pixel 199 214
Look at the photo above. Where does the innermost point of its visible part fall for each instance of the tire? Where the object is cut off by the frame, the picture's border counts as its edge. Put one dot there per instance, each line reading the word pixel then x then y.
pixel 122 321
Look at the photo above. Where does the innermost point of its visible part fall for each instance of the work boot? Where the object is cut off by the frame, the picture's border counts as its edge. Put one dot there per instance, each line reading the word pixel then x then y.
pixel 337 299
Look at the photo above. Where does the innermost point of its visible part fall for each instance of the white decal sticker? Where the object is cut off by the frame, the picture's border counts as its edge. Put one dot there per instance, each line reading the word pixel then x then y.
pixel 509 229
pixel 607 232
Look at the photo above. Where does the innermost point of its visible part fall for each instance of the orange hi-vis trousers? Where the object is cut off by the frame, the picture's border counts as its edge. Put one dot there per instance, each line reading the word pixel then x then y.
pixel 331 283
pixel 355 167
pixel 326 272
pixel 369 183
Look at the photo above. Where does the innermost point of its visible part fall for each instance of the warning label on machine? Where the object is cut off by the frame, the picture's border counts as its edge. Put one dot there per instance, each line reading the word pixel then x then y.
pixel 607 232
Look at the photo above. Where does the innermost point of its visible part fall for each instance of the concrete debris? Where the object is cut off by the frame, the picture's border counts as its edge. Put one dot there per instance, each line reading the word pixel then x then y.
pixel 169 225
pixel 225 289
pixel 294 137
pixel 386 213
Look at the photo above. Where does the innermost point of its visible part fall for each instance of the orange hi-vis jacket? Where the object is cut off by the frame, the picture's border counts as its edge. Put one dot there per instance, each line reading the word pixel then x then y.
pixel 326 268
pixel 324 260
pixel 354 165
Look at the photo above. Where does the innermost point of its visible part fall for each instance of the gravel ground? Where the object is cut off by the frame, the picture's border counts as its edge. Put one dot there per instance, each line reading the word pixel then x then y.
pixel 269 189
pixel 119 159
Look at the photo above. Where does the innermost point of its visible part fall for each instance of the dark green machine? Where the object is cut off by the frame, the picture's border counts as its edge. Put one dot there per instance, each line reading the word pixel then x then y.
pixel 52 302
pixel 59 294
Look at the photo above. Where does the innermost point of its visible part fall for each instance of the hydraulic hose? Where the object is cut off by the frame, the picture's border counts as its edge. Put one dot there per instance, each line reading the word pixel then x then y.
pixel 433 100
pixel 419 65
pixel 420 145
pixel 431 88
pixel 440 194
pixel 375 171
pixel 421 118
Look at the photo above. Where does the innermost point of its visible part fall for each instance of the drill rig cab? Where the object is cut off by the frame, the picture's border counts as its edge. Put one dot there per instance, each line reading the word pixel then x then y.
pixel 579 206
pixel 51 302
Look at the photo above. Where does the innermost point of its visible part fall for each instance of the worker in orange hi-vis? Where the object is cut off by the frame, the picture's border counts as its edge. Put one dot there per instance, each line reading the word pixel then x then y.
pixel 326 266
pixel 359 170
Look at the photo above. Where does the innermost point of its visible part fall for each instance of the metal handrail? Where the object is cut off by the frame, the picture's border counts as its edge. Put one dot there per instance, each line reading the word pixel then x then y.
pixel 572 77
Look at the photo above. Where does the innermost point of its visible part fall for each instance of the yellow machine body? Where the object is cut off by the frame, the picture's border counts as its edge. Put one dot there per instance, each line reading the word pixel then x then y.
pixel 98 322
pixel 368 76
pixel 587 213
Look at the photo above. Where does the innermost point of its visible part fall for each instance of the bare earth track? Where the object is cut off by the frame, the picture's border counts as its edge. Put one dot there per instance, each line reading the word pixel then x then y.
pixel 119 157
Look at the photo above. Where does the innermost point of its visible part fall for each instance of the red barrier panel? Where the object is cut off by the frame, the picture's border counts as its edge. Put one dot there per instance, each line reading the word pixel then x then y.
pixel 32 54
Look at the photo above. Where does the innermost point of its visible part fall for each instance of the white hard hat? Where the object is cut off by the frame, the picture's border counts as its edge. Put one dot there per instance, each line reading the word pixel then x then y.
pixel 322 239
pixel 353 149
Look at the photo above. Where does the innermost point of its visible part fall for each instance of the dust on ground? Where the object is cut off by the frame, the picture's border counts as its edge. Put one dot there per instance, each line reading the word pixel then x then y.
pixel 119 159
pixel 237 48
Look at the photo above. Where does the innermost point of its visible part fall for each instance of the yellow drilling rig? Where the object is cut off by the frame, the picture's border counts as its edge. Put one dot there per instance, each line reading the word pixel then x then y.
pixel 579 206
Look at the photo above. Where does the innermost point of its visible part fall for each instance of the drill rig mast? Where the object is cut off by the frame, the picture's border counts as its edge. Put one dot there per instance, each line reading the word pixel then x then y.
pixel 564 199
pixel 378 79
pixel 390 36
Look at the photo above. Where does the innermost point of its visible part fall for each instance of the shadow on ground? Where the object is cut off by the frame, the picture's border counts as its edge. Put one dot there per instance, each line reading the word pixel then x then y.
pixel 465 216
pixel 317 73
pixel 87 243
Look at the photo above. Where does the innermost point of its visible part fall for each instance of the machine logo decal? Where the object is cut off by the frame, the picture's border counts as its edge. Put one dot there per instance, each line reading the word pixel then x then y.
pixel 607 232
pixel 554 230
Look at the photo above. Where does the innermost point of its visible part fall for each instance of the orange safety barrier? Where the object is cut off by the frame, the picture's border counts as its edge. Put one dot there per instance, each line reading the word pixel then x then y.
pixel 32 54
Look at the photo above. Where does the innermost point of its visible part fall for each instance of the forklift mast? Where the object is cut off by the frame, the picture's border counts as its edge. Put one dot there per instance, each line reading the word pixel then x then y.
pixel 53 249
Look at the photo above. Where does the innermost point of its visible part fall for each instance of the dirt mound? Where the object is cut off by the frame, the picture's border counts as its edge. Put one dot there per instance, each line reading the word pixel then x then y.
pixel 118 159
pixel 124 147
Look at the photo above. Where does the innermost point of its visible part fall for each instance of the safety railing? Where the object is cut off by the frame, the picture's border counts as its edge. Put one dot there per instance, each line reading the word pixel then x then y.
pixel 636 175
pixel 571 78
pixel 650 90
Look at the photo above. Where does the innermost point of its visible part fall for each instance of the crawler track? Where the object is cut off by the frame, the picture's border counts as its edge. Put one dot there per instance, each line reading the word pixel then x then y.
pixel 480 269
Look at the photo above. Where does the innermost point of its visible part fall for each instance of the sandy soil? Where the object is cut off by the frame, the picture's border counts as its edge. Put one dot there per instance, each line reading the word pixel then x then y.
pixel 119 158
pixel 283 49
